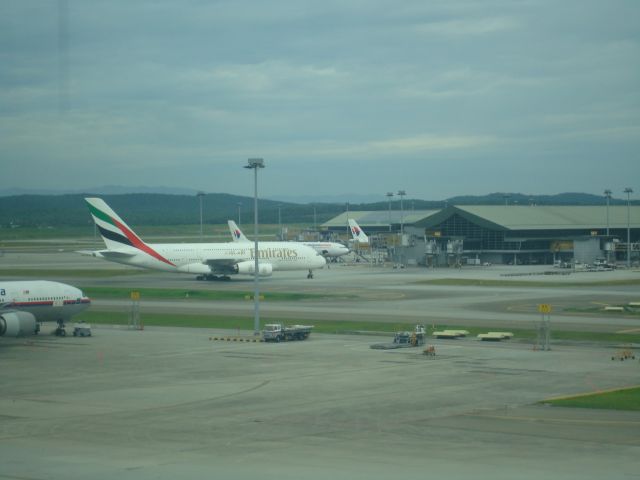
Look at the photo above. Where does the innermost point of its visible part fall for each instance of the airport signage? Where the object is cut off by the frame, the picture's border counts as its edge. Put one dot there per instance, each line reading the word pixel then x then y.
pixel 544 308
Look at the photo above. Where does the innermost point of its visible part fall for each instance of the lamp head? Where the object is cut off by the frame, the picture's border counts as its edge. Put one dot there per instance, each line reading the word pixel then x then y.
pixel 255 163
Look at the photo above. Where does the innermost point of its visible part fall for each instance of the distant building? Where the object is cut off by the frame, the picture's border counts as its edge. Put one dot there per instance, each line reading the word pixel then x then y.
pixel 500 234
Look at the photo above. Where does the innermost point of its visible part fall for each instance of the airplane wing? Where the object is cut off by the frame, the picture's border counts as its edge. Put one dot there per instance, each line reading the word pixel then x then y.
pixel 222 262
pixel 223 265
pixel 107 254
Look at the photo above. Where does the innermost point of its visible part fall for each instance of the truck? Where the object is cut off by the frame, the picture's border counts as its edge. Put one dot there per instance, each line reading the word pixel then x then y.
pixel 276 332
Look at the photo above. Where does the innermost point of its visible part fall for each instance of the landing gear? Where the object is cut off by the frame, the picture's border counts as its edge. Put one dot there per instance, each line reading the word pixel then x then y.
pixel 214 278
pixel 310 274
pixel 60 330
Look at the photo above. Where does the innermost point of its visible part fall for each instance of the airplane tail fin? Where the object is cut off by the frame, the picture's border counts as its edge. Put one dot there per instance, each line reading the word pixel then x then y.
pixel 236 233
pixel 115 232
pixel 358 235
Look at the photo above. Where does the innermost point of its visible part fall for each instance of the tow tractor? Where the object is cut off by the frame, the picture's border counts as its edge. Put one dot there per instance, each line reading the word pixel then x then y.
pixel 81 329
pixel 404 339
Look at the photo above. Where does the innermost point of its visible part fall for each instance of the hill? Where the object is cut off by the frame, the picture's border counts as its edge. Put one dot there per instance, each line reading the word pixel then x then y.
pixel 165 209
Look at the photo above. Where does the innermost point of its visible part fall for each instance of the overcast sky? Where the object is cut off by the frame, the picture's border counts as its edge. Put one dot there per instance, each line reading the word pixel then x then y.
pixel 439 98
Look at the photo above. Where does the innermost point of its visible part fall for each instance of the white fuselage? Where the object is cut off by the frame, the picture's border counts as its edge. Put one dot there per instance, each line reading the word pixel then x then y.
pixel 200 257
pixel 45 300
pixel 328 249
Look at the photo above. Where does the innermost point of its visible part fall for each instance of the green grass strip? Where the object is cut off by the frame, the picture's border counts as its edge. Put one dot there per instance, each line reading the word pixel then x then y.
pixel 621 399
pixel 245 322
pixel 242 322
pixel 187 294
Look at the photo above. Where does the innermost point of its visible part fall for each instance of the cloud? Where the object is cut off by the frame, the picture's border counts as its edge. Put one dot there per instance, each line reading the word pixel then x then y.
pixel 469 26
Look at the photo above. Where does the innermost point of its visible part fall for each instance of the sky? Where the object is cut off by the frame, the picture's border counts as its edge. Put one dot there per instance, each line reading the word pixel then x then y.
pixel 437 98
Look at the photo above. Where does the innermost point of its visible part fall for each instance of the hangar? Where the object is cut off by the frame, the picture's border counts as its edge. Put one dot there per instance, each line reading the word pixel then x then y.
pixel 507 234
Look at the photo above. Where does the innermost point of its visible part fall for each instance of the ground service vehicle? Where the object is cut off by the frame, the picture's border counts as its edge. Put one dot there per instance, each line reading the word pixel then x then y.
pixel 276 332
pixel 82 330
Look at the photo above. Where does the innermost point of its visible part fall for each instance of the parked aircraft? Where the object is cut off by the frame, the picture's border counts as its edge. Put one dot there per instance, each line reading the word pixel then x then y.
pixel 24 304
pixel 210 261
pixel 326 249
pixel 358 235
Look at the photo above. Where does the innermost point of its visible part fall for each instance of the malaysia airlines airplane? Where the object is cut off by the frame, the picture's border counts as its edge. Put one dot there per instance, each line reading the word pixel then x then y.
pixel 210 261
pixel 358 235
pixel 24 304
pixel 326 249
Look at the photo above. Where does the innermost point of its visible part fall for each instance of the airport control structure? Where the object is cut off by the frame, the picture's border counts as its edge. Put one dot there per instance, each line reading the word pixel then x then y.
pixel 563 236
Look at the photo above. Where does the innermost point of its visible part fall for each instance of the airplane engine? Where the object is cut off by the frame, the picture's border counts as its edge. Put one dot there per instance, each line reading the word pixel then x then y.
pixel 248 267
pixel 17 324
pixel 200 268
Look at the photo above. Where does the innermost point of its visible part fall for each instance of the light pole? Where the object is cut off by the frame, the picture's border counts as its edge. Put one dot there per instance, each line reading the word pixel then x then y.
pixel 628 191
pixel 255 164
pixel 239 207
pixel 401 194
pixel 607 195
pixel 348 226
pixel 200 195
pixel 279 223
pixel 389 196
pixel 315 224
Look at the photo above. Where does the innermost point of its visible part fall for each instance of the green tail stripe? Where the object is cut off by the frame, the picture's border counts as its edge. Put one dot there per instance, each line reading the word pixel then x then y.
pixel 99 214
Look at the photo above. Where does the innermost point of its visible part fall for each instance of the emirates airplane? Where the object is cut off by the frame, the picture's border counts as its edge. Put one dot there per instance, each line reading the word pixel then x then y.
pixel 209 261
pixel 326 249
pixel 26 303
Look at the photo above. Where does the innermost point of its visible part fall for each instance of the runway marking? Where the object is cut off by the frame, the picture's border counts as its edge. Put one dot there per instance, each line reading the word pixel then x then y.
pixel 595 392
pixel 521 307
pixel 631 330
pixel 556 420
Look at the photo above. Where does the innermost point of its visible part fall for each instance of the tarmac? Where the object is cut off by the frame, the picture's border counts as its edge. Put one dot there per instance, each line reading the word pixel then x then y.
pixel 169 402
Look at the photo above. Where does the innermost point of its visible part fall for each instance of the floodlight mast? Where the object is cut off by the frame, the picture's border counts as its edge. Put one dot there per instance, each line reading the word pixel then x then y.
pixel 401 194
pixel 607 195
pixel 255 164
pixel 628 191
pixel 389 196
pixel 200 195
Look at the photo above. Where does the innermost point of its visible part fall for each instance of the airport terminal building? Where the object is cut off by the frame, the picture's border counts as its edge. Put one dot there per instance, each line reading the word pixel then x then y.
pixel 505 234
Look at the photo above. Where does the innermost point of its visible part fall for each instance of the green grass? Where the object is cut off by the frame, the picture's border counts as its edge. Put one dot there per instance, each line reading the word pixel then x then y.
pixel 470 282
pixel 245 322
pixel 231 322
pixel 169 293
pixel 623 399
pixel 241 322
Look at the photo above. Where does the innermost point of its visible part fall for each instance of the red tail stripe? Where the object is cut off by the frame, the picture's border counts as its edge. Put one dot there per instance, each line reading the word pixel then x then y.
pixel 136 242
